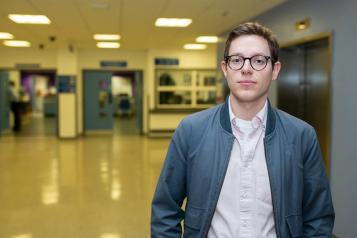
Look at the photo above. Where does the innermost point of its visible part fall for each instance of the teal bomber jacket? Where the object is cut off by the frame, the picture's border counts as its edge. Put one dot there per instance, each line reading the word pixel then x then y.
pixel 197 161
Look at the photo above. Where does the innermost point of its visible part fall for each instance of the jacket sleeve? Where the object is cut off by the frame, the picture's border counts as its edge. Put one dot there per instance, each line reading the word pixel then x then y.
pixel 318 211
pixel 166 212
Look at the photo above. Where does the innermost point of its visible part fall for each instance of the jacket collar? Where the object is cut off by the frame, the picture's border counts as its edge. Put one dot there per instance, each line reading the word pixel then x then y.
pixel 226 123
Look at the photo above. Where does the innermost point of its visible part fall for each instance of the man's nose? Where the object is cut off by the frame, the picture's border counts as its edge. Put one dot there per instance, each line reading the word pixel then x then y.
pixel 247 68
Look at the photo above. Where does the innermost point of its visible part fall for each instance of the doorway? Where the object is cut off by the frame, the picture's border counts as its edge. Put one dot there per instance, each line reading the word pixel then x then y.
pixel 112 102
pixel 304 86
pixel 38 92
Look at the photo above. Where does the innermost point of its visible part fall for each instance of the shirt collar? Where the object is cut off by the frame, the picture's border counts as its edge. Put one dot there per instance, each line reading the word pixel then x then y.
pixel 259 119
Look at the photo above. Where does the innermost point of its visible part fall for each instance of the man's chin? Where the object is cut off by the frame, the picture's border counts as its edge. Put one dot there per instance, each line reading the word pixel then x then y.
pixel 248 98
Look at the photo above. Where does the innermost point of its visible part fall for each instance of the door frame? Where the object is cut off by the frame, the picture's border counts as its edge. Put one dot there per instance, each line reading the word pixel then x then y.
pixel 114 71
pixel 20 70
pixel 304 40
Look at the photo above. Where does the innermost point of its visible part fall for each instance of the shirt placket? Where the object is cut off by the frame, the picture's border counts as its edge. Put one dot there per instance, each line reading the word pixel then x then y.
pixel 247 145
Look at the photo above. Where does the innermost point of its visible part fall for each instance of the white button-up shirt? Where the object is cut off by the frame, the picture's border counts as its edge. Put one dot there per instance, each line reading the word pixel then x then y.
pixel 244 207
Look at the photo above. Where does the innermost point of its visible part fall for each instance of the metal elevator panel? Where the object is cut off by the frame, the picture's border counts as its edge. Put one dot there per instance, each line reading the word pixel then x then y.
pixel 303 87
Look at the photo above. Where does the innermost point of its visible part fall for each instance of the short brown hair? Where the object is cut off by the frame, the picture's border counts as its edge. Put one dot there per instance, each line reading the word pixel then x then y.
pixel 254 28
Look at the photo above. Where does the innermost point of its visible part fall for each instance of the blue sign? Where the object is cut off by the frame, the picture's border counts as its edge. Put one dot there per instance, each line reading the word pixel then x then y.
pixel 166 61
pixel 66 84
pixel 120 64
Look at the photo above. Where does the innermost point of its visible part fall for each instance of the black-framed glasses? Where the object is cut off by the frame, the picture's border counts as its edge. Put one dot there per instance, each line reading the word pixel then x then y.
pixel 236 62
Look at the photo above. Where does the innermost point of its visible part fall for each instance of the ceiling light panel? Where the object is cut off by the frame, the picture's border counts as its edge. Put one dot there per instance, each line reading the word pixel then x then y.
pixel 207 39
pixel 106 37
pixel 6 36
pixel 17 43
pixel 173 22
pixel 108 45
pixel 29 19
pixel 195 46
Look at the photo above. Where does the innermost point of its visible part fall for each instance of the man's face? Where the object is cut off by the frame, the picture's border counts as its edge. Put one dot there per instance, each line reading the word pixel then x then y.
pixel 248 85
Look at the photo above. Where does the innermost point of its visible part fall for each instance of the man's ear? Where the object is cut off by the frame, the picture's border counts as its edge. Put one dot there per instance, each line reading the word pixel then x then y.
pixel 224 68
pixel 276 70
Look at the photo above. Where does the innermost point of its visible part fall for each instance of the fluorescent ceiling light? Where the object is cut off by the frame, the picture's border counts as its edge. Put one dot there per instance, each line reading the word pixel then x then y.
pixel 195 46
pixel 207 39
pixel 106 37
pixel 29 19
pixel 6 36
pixel 172 22
pixel 17 43
pixel 111 45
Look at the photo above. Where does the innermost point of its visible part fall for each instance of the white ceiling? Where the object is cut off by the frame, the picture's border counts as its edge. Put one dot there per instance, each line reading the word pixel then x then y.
pixel 75 21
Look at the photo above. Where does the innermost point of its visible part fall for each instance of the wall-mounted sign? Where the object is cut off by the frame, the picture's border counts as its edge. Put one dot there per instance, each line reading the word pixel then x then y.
pixel 66 83
pixel 27 66
pixel 166 61
pixel 120 63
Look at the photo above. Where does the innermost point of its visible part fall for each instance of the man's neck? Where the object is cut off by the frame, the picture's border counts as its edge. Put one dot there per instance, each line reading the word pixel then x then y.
pixel 246 110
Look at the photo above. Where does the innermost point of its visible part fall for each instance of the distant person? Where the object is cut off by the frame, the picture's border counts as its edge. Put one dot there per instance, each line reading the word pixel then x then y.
pixel 245 169
pixel 15 105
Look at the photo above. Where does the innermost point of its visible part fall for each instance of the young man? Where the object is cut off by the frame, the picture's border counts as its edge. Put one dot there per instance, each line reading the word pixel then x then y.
pixel 246 169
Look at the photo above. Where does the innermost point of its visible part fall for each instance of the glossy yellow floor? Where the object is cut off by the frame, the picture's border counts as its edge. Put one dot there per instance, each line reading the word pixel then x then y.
pixel 92 187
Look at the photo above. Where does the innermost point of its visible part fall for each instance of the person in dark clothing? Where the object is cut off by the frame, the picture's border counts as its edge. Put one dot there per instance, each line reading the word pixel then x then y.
pixel 15 107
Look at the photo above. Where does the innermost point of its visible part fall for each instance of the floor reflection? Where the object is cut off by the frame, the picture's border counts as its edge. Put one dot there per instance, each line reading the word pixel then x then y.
pixel 93 187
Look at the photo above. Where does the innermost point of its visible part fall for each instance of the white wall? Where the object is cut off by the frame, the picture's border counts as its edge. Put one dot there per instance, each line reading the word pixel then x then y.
pixel 47 58
pixel 66 61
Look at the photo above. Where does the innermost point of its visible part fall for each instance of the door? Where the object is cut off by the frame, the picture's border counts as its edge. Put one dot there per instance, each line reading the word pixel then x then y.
pixel 291 81
pixel 4 102
pixel 98 102
pixel 317 111
pixel 303 87
pixel 139 100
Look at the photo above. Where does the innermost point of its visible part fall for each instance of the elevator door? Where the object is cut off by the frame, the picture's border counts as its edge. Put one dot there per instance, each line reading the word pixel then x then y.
pixel 303 87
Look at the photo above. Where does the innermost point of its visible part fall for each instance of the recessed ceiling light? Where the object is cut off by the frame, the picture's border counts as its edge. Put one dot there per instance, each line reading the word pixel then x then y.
pixel 303 24
pixel 195 46
pixel 29 19
pixel 106 37
pixel 6 36
pixel 99 5
pixel 207 39
pixel 111 45
pixel 17 43
pixel 173 22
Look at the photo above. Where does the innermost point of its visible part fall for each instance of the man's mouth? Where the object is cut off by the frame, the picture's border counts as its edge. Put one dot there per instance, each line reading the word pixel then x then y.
pixel 246 82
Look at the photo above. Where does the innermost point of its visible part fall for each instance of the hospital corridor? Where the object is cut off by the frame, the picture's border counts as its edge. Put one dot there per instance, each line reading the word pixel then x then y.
pixel 92 93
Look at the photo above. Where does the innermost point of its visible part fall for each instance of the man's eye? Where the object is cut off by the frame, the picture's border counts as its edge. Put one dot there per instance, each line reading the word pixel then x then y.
pixel 259 61
pixel 236 60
